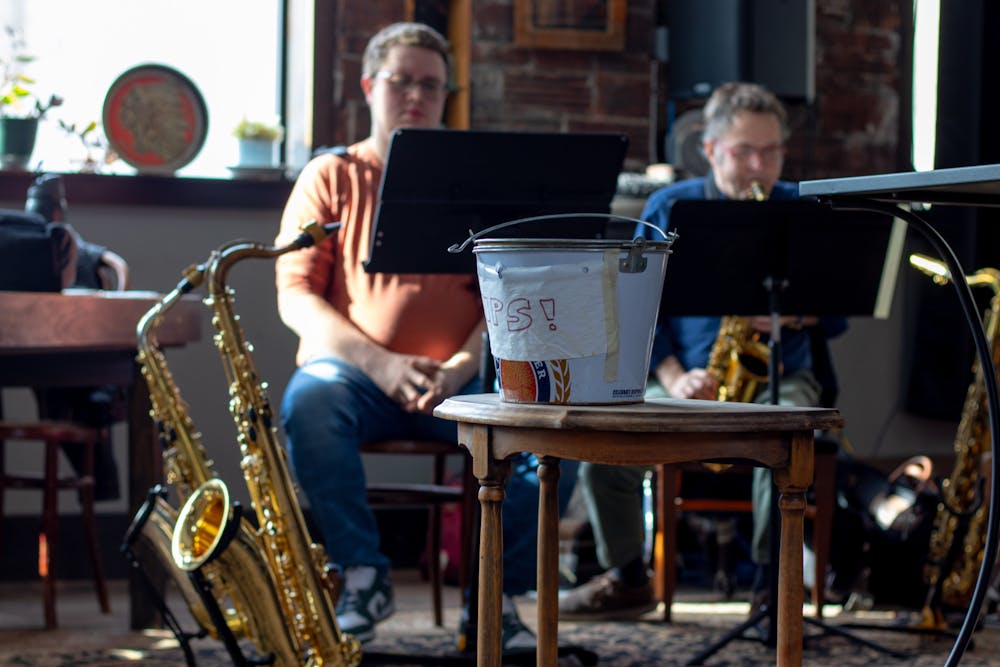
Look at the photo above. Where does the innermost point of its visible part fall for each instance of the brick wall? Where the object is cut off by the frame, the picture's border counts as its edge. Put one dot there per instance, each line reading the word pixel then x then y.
pixel 851 128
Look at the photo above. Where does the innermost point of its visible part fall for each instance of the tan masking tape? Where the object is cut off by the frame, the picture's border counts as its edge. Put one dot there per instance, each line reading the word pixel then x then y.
pixel 610 284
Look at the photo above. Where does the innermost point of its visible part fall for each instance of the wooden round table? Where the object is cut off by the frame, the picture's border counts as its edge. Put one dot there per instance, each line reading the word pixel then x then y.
pixel 656 431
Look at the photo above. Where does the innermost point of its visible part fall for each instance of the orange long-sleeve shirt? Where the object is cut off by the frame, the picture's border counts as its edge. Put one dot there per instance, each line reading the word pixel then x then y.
pixel 424 314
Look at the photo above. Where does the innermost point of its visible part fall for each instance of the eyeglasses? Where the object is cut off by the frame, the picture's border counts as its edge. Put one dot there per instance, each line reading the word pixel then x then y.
pixel 402 83
pixel 743 152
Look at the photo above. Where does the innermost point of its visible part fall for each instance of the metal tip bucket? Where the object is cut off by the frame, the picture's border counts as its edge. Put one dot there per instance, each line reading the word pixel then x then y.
pixel 571 321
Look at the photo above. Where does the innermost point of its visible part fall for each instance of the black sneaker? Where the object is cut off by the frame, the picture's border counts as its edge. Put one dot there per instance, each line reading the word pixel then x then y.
pixel 515 636
pixel 366 600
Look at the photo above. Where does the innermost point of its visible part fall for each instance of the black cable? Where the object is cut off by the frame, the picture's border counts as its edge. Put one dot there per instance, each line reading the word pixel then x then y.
pixel 993 401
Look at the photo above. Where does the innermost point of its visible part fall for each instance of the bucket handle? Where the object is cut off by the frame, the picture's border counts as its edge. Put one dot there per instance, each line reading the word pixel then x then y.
pixel 459 247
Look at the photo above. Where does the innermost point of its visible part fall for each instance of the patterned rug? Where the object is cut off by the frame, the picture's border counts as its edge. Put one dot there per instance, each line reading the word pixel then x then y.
pixel 409 641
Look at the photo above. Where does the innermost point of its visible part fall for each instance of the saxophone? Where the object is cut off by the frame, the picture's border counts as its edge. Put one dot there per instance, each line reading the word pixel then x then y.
pixel 958 537
pixel 738 359
pixel 184 460
pixel 303 583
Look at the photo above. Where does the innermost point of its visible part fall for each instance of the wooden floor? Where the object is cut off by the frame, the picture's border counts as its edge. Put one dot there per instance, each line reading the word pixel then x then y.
pixel 82 626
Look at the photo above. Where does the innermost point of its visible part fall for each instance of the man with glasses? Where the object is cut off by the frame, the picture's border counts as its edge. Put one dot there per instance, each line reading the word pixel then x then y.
pixel 377 352
pixel 744 141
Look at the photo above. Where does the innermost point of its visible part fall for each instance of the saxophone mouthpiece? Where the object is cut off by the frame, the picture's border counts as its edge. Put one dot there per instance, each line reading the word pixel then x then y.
pixel 192 278
pixel 757 191
pixel 935 268
pixel 313 232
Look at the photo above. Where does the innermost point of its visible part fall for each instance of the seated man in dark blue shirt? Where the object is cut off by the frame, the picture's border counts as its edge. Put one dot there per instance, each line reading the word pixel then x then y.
pixel 744 141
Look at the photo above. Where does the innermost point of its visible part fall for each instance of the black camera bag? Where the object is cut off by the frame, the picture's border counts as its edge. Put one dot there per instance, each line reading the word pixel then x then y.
pixel 35 255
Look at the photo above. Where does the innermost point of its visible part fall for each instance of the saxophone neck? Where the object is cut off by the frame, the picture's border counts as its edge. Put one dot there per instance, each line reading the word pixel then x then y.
pixel 984 277
pixel 233 252
pixel 191 280
pixel 941 274
pixel 183 452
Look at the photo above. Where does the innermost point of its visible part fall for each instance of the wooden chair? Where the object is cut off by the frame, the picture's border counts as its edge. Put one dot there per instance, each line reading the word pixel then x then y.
pixel 669 502
pixel 432 496
pixel 53 435
pixel 112 274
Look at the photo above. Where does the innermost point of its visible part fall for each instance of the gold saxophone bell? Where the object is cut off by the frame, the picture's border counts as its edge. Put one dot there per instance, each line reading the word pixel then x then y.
pixel 738 360
pixel 204 526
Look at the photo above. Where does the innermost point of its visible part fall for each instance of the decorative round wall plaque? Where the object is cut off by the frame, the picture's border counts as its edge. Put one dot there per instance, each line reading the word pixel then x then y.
pixel 155 119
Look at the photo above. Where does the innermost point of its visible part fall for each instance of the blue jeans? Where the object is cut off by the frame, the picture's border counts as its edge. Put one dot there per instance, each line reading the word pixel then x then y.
pixel 329 410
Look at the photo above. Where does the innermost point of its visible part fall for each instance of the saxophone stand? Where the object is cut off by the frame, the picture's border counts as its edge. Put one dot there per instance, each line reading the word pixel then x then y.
pixel 769 264
pixel 182 636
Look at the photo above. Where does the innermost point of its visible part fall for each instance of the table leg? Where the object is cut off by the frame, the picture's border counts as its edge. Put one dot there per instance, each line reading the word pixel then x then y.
pixel 491 494
pixel 792 484
pixel 145 468
pixel 548 561
pixel 790 595
pixel 665 573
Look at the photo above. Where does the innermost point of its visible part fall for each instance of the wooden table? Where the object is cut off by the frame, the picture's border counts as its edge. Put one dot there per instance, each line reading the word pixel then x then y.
pixel 88 338
pixel 657 431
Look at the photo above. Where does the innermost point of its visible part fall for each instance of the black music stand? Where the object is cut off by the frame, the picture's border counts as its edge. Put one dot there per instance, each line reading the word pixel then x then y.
pixel 835 262
pixel 775 257
pixel 438 186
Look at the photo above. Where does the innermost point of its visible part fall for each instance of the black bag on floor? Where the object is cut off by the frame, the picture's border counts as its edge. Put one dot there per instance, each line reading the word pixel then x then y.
pixel 881 528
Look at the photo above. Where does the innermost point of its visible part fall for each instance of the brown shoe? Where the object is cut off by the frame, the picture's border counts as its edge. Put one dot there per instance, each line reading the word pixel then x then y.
pixel 605 597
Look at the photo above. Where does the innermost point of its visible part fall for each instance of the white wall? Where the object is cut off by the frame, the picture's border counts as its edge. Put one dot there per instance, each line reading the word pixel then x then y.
pixel 870 370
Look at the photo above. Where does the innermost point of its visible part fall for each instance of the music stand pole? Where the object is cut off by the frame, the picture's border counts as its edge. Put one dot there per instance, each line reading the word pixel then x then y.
pixel 769 610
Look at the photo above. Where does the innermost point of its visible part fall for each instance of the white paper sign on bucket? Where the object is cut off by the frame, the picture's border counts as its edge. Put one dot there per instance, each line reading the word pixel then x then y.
pixel 545 312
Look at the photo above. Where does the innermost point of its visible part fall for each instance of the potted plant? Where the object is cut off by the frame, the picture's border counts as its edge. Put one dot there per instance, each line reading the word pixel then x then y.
pixel 20 108
pixel 94 143
pixel 258 142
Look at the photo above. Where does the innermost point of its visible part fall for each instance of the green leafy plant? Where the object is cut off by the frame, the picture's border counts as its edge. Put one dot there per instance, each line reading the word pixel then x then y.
pixel 93 141
pixel 17 99
pixel 255 129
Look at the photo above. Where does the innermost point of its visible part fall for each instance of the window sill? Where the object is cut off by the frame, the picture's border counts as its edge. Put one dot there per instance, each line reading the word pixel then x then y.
pixel 147 190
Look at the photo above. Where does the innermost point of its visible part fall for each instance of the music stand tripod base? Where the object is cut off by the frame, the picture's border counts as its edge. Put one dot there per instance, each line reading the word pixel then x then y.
pixel 781 272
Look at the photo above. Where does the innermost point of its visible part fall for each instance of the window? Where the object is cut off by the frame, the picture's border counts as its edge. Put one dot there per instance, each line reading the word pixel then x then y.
pixel 230 50
pixel 927 14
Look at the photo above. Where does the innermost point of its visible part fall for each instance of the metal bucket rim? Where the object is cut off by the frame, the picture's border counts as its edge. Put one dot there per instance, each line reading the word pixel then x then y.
pixel 562 245
pixel 668 236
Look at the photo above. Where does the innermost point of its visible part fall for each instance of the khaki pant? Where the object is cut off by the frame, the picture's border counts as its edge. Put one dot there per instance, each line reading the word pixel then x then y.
pixel 613 494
